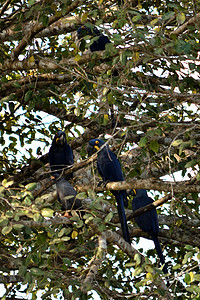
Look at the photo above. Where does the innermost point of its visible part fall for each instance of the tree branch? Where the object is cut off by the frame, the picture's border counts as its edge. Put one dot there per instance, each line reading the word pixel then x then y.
pixel 184 26
pixel 149 184
pixel 96 263
pixel 36 28
pixel 6 4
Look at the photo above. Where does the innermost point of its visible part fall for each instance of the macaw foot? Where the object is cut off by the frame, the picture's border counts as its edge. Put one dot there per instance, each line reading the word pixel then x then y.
pixel 103 183
pixel 67 215
pixel 131 192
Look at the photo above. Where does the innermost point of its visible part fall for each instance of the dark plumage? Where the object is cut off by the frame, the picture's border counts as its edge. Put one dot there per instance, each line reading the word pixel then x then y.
pixel 148 221
pixel 60 154
pixel 99 42
pixel 67 194
pixel 110 170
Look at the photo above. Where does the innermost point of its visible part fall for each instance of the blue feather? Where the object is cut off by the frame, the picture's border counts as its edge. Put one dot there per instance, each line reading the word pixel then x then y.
pixel 148 221
pixel 110 170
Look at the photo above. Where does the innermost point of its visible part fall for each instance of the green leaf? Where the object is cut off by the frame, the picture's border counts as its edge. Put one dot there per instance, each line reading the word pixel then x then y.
pixel 31 186
pixel 194 289
pixel 79 223
pixel 62 232
pixel 3 221
pixel 183 146
pixel 18 226
pixel 143 141
pixel 191 164
pixel 180 18
pixel 91 194
pixel 111 98
pixel 6 183
pixel 37 272
pixel 6 230
pixel 130 264
pixel 27 201
pixel 37 217
pixel 31 2
pixel 45 20
pixel 154 146
pixel 168 15
pixel 186 257
pixel 108 217
pixel 198 176
pixel 138 271
pixel 22 270
pixel 177 267
pixel 117 37
pixel 189 247
pixel 101 227
pixel 136 18
pixel 28 96
pixel 47 212
pixel 81 195
pixel 105 119
pixel 149 268
pixel 65 238
pixel 177 143
pixel 9 213
pixel 74 234
pixel 137 258
pixel 187 279
pixel 196 277
pixel 123 58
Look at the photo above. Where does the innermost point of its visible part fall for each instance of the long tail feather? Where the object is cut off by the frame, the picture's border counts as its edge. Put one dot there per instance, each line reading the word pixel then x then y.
pixel 160 253
pixel 122 218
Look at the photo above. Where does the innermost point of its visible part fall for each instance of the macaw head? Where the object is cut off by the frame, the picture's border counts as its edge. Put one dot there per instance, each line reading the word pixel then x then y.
pixel 138 192
pixel 60 138
pixel 94 146
pixel 86 30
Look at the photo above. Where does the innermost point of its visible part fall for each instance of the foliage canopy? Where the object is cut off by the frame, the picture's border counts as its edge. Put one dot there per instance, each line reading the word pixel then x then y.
pixel 149 76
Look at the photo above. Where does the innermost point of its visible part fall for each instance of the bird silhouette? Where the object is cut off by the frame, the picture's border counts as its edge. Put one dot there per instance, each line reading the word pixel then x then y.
pixel 110 170
pixel 148 221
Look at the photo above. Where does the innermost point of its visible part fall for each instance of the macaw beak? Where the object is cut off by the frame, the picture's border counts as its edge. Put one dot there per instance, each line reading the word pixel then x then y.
pixel 61 140
pixel 91 149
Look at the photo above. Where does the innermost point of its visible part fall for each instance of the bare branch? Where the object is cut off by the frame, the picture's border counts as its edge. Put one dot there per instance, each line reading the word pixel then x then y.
pixel 184 26
pixel 96 263
pixel 6 4
pixel 149 184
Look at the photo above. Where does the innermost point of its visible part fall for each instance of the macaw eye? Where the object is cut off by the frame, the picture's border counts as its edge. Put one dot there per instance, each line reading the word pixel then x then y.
pixel 96 142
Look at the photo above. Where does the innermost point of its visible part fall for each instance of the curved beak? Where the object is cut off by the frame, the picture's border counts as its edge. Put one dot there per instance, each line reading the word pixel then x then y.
pixel 61 140
pixel 91 150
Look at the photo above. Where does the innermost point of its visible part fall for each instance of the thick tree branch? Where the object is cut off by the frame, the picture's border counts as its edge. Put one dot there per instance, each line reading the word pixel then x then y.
pixel 185 25
pixel 96 263
pixel 11 279
pixel 149 184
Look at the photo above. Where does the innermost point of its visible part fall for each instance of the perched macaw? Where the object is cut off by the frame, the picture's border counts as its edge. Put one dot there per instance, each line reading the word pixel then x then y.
pixel 148 221
pixel 66 195
pixel 100 39
pixel 110 170
pixel 60 154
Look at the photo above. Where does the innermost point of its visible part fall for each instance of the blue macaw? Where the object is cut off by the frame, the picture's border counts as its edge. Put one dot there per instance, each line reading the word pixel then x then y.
pixel 66 195
pixel 148 221
pixel 100 41
pixel 60 154
pixel 110 170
